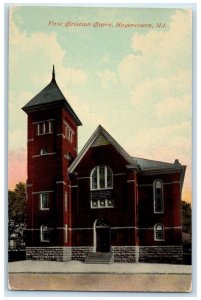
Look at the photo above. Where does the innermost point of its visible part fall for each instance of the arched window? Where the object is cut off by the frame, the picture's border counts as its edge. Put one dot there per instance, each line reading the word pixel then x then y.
pixel 158 232
pixel 101 178
pixel 44 233
pixel 158 196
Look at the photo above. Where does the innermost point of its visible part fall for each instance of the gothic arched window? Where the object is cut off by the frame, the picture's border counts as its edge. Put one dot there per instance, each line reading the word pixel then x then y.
pixel 101 178
pixel 101 184
pixel 158 196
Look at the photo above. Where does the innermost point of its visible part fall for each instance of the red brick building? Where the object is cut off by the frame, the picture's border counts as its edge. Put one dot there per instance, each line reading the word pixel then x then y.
pixel 98 204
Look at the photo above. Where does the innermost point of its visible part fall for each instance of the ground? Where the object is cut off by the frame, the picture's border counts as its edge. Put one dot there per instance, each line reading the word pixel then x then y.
pixel 77 276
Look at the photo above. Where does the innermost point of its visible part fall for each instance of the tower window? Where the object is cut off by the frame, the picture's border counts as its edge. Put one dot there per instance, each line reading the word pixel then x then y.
pixel 158 196
pixel 50 125
pixel 44 233
pixel 44 201
pixel 45 127
pixel 69 133
pixel 43 151
pixel 41 128
pixel 158 232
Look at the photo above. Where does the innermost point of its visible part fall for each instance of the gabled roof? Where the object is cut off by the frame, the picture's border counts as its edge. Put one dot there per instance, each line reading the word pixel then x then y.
pixel 49 95
pixel 101 131
pixel 140 164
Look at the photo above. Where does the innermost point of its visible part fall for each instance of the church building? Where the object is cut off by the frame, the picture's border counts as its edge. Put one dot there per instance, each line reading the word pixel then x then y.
pixel 101 205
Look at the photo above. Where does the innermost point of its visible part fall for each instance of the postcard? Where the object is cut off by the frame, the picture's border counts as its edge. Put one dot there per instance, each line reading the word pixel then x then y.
pixel 100 126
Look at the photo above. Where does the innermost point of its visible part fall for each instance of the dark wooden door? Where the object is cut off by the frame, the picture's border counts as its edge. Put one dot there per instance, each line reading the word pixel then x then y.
pixel 102 239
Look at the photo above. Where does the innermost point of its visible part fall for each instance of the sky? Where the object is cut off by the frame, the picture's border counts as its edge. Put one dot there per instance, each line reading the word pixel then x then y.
pixel 134 81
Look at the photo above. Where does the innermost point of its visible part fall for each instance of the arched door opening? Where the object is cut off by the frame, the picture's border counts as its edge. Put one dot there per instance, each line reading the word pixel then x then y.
pixel 101 236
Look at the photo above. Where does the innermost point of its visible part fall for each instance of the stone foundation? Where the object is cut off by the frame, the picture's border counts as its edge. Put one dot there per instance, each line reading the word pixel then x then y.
pixel 125 254
pixel 129 254
pixel 163 254
pixel 48 253
pixel 80 253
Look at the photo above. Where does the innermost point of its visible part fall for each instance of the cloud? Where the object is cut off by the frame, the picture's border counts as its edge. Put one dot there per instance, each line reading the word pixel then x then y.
pixel 85 112
pixel 107 78
pixel 33 56
pixel 172 107
pixel 106 59
pixel 157 89
pixel 166 144
pixel 30 65
pixel 157 71
pixel 130 69
pixel 168 49
pixel 17 125
pixel 153 138
pixel 75 76
pixel 160 52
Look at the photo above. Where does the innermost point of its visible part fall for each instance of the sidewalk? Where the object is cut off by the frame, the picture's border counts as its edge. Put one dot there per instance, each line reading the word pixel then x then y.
pixel 77 276
pixel 76 267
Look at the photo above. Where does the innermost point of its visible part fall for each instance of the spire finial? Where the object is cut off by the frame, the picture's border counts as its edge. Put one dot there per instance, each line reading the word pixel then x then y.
pixel 53 74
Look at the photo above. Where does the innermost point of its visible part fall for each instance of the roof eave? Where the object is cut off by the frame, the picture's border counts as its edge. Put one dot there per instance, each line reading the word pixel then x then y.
pixel 32 108
pixel 168 169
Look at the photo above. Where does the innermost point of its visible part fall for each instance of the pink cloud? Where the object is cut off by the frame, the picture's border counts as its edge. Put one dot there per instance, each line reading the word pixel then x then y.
pixel 17 171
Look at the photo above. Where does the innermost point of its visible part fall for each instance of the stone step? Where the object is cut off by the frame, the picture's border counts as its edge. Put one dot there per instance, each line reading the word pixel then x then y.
pixel 99 258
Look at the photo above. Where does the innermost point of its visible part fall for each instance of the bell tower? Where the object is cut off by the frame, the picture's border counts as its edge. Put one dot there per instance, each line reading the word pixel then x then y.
pixel 51 148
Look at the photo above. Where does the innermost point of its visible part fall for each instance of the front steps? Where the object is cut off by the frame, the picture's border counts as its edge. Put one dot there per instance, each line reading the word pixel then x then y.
pixel 99 258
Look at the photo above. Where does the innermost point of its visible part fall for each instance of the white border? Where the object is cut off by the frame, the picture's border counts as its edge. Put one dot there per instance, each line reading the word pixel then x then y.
pixel 3 150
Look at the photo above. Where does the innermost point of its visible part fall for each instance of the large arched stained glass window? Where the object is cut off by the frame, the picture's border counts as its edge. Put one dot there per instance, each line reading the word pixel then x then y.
pixel 101 178
pixel 101 181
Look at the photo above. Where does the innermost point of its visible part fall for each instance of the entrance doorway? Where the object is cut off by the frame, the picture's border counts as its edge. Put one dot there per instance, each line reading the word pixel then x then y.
pixel 101 236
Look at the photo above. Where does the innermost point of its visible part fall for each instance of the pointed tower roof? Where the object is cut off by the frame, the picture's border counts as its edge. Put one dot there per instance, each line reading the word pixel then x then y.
pixel 50 95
